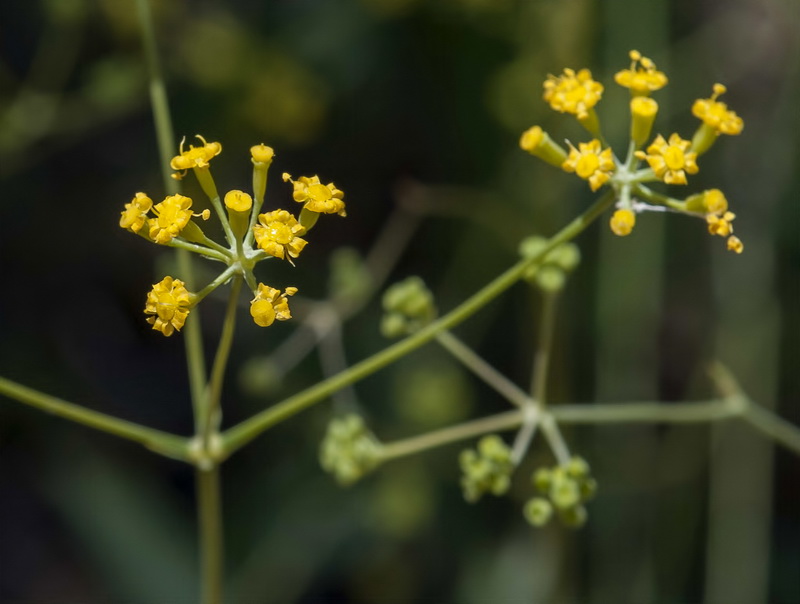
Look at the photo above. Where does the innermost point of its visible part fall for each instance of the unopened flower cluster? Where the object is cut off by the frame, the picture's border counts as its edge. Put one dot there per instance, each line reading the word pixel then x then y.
pixel 670 159
pixel 251 236
pixel 486 469
pixel 349 450
pixel 563 491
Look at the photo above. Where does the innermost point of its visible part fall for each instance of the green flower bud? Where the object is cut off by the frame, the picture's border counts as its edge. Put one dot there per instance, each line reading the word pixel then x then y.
pixel 567 256
pixel 538 511
pixel 577 467
pixel 573 517
pixel 588 487
pixel 564 492
pixel 550 278
pixel 541 479
pixel 531 246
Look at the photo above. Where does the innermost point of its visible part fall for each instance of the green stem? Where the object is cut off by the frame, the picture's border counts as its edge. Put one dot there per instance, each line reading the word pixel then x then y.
pixel 416 444
pixel 541 360
pixel 212 412
pixel 166 147
pixel 163 443
pixel 241 434
pixel 210 534
pixel 475 363
pixel 619 413
pixel 199 249
pixel 222 278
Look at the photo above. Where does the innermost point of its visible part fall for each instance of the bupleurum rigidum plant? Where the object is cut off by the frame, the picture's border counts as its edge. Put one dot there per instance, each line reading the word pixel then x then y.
pixel 350 449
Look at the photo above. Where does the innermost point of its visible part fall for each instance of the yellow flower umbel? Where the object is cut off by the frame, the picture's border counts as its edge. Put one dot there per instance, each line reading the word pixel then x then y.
pixel 575 93
pixel 591 163
pixel 622 222
pixel 643 114
pixel 538 143
pixel 135 214
pixel 717 119
pixel 169 302
pixel 278 234
pixel 270 304
pixel 672 160
pixel 316 197
pixel 712 201
pixel 720 225
pixel 172 215
pixel 642 78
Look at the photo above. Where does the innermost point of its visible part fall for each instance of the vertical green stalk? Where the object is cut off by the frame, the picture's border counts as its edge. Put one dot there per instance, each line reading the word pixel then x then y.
pixel 165 138
pixel 208 488
pixel 541 362
pixel 211 405
pixel 211 534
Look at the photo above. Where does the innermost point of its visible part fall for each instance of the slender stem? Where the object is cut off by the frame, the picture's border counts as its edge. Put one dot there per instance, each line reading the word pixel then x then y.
pixel 554 438
pixel 541 360
pixel 493 423
pixel 210 534
pixel 199 249
pixel 212 412
pixel 475 363
pixel 620 413
pixel 777 428
pixel 163 443
pixel 219 280
pixel 166 146
pixel 241 434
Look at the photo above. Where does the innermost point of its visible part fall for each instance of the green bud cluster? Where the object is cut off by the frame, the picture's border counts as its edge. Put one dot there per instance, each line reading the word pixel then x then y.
pixel 487 469
pixel 409 307
pixel 349 450
pixel 564 489
pixel 550 273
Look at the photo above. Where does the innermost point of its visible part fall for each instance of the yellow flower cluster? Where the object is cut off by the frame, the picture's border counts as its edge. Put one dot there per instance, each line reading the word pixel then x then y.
pixel 252 236
pixel 669 160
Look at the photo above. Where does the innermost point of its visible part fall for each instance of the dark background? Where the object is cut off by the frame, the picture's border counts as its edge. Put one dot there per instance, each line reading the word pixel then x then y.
pixel 415 104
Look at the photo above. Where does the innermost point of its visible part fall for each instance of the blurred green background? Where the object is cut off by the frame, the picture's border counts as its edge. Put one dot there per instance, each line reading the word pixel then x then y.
pixel 416 107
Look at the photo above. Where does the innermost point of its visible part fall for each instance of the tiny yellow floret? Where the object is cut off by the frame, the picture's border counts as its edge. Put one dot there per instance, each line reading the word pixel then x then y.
pixel 270 304
pixel 169 302
pixel 590 162
pixel 194 157
pixel 172 215
pixel 716 114
pixel 572 92
pixel 238 201
pixel 720 225
pixel 323 199
pixel 539 144
pixel 643 114
pixel 622 222
pixel 642 78
pixel 261 154
pixel 735 244
pixel 672 160
pixel 278 234
pixel 135 214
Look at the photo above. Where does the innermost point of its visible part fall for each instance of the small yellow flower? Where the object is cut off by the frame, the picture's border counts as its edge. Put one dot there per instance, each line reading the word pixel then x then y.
pixel 715 114
pixel 261 154
pixel 590 163
pixel 720 225
pixel 572 92
pixel 622 222
pixel 642 78
pixel 169 302
pixel 323 199
pixel 194 157
pixel 537 142
pixel 672 160
pixel 270 304
pixel 643 114
pixel 278 234
pixel 172 215
pixel 735 244
pixel 135 214
pixel 238 201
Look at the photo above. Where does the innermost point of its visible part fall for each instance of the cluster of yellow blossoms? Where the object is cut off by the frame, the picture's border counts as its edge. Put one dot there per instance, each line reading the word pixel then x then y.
pixel 276 234
pixel 669 160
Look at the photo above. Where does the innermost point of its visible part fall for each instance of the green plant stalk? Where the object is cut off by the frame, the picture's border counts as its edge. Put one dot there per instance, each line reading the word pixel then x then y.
pixel 210 534
pixel 241 434
pixel 211 411
pixel 507 420
pixel 165 138
pixel 475 363
pixel 169 445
